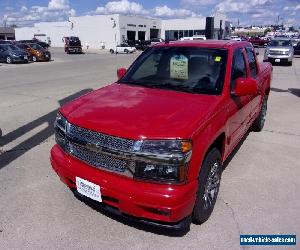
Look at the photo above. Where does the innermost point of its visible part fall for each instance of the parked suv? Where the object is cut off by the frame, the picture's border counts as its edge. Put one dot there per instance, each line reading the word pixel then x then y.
pixel 12 54
pixel 280 50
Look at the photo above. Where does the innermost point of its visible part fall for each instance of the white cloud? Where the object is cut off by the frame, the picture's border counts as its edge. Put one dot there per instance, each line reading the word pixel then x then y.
pixel 57 10
pixel 198 2
pixel 58 5
pixel 242 6
pixel 165 11
pixel 121 7
pixel 133 8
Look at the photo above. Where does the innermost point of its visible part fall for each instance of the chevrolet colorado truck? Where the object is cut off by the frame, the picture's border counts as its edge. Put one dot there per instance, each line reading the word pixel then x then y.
pixel 151 146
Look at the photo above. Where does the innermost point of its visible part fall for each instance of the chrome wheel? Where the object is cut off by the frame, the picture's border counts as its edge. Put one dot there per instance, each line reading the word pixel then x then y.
pixel 34 59
pixel 212 186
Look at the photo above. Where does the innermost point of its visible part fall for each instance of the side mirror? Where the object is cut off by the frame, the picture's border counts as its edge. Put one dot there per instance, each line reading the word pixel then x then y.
pixel 245 86
pixel 121 72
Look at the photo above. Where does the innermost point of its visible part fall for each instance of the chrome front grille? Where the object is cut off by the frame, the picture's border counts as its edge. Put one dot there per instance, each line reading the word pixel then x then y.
pixel 103 140
pixel 97 159
pixel 277 52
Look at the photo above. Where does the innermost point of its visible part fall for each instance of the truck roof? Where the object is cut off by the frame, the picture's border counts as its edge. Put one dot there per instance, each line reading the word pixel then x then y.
pixel 219 44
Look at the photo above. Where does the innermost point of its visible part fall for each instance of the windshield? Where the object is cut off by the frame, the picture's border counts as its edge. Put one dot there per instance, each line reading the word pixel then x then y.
pixel 10 47
pixel 280 43
pixel 36 46
pixel 187 69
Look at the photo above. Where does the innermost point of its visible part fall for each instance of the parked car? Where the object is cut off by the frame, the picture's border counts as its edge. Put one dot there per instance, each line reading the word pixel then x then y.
pixel 297 49
pixel 73 45
pixel 39 53
pixel 6 42
pixel 197 37
pixel 156 40
pixel 152 145
pixel 280 50
pixel 123 48
pixel 42 44
pixel 12 54
pixel 257 41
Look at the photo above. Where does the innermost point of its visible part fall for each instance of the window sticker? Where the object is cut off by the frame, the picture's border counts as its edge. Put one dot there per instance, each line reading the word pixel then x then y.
pixel 218 59
pixel 179 67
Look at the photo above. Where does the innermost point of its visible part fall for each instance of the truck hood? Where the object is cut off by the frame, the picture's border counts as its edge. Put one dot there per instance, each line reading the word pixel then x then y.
pixel 137 112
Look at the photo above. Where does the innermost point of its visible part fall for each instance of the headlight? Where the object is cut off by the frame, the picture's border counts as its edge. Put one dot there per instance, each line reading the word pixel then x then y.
pixel 60 122
pixel 165 170
pixel 163 146
pixel 60 126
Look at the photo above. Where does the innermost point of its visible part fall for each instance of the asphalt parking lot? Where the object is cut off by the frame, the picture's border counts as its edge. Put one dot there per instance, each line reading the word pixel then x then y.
pixel 259 189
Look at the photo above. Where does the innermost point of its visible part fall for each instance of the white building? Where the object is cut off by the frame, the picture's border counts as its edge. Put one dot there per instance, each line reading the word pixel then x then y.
pixel 114 29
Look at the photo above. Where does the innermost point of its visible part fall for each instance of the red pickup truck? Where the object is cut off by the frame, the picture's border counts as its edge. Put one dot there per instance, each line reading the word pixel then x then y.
pixel 257 41
pixel 151 146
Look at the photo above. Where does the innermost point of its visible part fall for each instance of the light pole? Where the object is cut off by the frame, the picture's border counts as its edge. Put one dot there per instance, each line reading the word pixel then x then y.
pixel 115 35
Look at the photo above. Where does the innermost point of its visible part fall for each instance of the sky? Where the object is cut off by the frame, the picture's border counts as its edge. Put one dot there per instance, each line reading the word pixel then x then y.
pixel 243 12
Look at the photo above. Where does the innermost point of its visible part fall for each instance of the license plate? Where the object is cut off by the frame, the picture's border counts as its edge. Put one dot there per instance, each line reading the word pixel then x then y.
pixel 277 60
pixel 25 57
pixel 88 189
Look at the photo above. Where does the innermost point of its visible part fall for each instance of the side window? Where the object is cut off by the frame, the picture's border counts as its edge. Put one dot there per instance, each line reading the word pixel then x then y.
pixel 252 63
pixel 238 66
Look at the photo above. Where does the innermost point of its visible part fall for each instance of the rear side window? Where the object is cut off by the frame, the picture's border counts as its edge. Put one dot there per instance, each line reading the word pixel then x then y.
pixel 252 63
pixel 238 66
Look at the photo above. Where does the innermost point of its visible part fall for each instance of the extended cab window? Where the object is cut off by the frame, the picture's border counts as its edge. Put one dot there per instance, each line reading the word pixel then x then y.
pixel 238 66
pixel 186 69
pixel 252 62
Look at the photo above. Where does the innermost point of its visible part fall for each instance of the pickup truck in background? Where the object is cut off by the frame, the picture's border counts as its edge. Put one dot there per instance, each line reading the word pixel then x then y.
pixel 257 41
pixel 151 146
pixel 72 45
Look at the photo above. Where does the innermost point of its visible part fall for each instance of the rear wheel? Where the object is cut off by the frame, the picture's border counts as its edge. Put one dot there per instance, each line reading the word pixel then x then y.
pixel 126 51
pixel 208 186
pixel 8 60
pixel 259 122
pixel 34 59
pixel 111 51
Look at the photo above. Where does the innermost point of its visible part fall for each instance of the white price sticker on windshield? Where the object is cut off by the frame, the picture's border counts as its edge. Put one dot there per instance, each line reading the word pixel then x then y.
pixel 179 67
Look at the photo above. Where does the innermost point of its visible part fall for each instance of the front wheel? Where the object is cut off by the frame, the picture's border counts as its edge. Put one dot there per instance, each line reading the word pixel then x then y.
pixel 208 186
pixel 126 51
pixel 34 59
pixel 259 122
pixel 111 51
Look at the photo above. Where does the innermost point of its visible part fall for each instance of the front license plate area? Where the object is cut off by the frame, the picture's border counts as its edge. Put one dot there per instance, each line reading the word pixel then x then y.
pixel 277 60
pixel 88 189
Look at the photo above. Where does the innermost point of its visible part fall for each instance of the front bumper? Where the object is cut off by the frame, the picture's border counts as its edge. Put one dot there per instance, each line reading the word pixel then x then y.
pixel 282 58
pixel 19 59
pixel 157 204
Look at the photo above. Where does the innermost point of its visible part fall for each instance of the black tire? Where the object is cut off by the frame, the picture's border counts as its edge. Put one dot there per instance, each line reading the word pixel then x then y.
pixel 290 63
pixel 209 177
pixel 9 60
pixel 111 51
pixel 259 122
pixel 126 51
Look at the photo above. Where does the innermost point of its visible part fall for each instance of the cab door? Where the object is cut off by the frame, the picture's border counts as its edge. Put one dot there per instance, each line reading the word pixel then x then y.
pixel 253 73
pixel 239 107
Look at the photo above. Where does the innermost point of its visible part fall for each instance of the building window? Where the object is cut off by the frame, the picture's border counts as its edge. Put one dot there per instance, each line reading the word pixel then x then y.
pixel 191 33
pixel 131 25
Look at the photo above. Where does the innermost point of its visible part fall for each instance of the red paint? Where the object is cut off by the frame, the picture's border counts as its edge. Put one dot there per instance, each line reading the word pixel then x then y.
pixel 135 112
